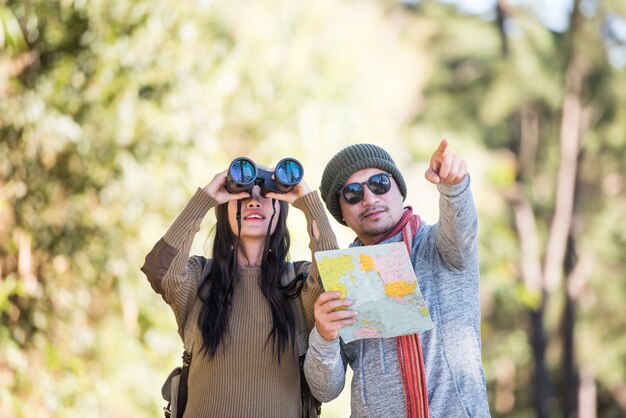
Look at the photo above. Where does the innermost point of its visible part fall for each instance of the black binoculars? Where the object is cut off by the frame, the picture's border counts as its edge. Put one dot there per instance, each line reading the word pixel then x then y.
pixel 243 175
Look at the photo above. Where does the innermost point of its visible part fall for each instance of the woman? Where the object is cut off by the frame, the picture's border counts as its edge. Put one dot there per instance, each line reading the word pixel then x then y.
pixel 244 362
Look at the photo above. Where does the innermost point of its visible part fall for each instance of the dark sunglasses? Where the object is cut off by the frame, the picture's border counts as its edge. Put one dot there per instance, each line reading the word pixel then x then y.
pixel 378 184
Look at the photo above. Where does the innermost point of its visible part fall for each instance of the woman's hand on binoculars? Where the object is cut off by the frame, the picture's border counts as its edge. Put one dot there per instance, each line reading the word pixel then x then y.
pixel 217 190
pixel 298 190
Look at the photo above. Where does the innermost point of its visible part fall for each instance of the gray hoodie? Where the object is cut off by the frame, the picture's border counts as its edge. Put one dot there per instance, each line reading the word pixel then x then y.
pixel 445 259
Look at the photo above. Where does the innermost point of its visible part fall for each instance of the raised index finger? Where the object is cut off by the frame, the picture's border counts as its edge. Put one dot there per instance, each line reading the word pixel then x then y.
pixel 440 153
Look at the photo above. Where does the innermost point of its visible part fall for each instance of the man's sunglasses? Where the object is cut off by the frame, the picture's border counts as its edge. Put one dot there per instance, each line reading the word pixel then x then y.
pixel 378 184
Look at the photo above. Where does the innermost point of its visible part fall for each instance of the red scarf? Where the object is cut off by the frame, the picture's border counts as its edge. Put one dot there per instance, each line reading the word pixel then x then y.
pixel 410 355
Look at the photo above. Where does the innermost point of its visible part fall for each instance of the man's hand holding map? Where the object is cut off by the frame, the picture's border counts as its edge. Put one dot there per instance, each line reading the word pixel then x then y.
pixel 380 281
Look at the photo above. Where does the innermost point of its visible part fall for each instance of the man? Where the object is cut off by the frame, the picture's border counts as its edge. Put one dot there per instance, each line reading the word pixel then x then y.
pixel 437 373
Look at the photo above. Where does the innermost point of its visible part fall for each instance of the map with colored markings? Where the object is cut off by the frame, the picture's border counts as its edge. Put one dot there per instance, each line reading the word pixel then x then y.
pixel 380 281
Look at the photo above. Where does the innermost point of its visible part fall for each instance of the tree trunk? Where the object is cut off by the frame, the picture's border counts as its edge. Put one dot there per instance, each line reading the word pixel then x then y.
pixel 542 377
pixel 588 394
pixel 570 374
pixel 530 257
pixel 562 246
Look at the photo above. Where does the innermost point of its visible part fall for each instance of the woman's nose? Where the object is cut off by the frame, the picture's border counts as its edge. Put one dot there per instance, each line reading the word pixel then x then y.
pixel 255 197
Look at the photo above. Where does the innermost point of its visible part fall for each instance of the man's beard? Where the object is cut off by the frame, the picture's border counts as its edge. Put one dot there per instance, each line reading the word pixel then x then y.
pixel 384 225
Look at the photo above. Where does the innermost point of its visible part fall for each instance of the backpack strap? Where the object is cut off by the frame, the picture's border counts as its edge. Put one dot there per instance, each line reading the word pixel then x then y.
pixel 191 322
pixel 302 337
pixel 189 335
pixel 311 407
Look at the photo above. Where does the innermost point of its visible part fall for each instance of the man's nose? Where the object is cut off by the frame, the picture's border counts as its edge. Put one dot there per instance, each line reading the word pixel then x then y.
pixel 369 198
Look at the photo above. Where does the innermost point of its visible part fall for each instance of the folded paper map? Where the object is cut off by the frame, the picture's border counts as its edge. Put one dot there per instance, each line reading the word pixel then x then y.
pixel 380 281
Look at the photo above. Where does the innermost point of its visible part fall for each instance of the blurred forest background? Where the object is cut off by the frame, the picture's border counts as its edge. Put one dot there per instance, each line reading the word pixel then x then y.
pixel 113 112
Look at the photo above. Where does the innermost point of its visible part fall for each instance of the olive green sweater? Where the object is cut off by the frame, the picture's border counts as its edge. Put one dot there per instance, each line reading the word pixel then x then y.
pixel 244 379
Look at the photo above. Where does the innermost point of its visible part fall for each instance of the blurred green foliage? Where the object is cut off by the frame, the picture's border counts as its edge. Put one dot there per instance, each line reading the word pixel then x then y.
pixel 112 113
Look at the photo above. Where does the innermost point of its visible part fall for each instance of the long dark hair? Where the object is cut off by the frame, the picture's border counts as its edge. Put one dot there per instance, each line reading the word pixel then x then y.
pixel 216 289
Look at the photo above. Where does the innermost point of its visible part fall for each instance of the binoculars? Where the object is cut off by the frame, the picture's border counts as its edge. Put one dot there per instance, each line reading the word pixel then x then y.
pixel 243 175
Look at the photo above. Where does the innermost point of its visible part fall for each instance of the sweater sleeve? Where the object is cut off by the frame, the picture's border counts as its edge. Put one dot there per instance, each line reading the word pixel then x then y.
pixel 322 238
pixel 456 230
pixel 324 367
pixel 169 269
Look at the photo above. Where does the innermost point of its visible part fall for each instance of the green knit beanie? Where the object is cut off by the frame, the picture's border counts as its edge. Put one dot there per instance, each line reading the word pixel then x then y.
pixel 347 162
